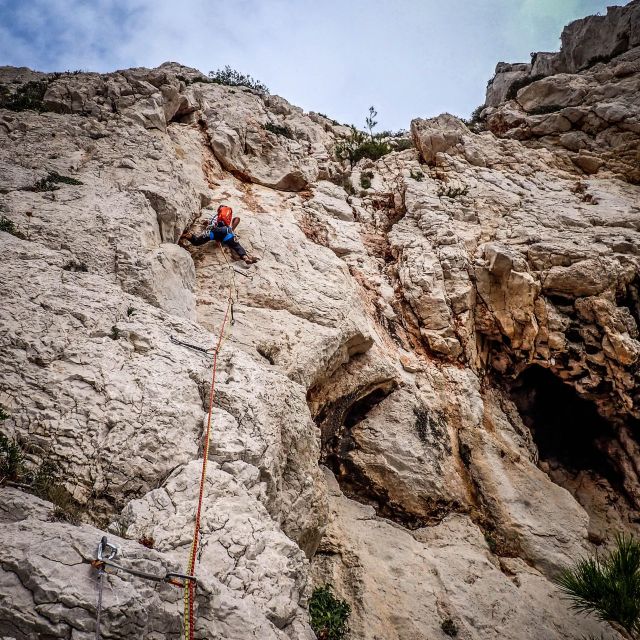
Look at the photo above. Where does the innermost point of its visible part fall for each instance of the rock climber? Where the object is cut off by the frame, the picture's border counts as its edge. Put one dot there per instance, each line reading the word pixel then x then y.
pixel 222 229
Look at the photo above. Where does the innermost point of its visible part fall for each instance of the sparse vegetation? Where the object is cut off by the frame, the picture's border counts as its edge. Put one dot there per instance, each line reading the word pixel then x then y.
pixel 335 123
pixel 476 114
pixel 365 179
pixel 370 121
pixel 449 627
pixel 51 182
pixel 598 59
pixel 43 481
pixel 329 615
pixel 8 226
pixel 358 145
pixel 422 424
pixel 232 78
pixel 11 458
pixel 344 180
pixel 73 265
pixel 131 311
pixel 66 508
pixel 115 332
pixel 402 144
pixel 452 192
pixel 418 176
pixel 521 83
pixel 279 130
pixel 27 96
pixel 491 542
pixel 608 585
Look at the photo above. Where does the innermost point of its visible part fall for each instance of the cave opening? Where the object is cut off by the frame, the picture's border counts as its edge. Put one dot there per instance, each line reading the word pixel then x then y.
pixel 567 429
pixel 359 410
pixel 576 448
pixel 337 420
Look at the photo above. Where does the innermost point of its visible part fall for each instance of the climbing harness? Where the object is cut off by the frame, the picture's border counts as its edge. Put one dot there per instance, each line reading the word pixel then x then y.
pixel 105 555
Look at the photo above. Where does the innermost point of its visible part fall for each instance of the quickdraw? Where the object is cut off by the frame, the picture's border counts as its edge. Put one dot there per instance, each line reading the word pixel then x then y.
pixel 189 345
pixel 104 559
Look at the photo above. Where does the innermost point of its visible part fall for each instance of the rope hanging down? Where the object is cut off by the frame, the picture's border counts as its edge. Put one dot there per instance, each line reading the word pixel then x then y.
pixel 189 587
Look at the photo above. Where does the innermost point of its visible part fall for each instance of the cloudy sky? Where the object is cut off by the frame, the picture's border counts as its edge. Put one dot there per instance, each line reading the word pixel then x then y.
pixel 409 58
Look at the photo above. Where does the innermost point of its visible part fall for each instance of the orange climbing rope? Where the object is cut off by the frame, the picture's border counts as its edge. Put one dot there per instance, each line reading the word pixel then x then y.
pixel 189 588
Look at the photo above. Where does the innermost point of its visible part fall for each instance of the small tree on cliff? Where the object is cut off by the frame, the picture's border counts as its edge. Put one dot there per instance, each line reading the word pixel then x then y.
pixel 608 586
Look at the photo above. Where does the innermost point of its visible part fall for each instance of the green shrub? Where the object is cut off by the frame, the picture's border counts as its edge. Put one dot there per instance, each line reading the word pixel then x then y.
pixel 357 146
pixel 3 414
pixel 521 83
pixel 232 78
pixel 402 144
pixel 131 311
pixel 279 130
pixel 346 148
pixel 372 149
pixel 11 458
pixel 452 192
pixel 418 176
pixel 545 108
pixel 9 226
pixel 335 123
pixel 401 133
pixel 328 614
pixel 51 182
pixel 608 586
pixel 27 96
pixel 43 481
pixel 475 115
pixel 344 180
pixel 449 627
pixel 365 179
pixel 598 59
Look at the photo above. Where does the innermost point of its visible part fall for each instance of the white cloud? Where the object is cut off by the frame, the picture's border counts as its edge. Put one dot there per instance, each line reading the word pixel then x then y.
pixel 408 57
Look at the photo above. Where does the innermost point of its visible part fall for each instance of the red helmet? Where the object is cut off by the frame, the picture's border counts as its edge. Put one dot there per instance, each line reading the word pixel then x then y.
pixel 225 214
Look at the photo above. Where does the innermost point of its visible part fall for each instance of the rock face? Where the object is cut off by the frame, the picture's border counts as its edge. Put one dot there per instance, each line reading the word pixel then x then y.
pixel 583 99
pixel 428 393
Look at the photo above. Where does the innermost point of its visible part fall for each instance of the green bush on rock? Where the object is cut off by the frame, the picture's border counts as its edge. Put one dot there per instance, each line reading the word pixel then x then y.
pixel 608 585
pixel 328 614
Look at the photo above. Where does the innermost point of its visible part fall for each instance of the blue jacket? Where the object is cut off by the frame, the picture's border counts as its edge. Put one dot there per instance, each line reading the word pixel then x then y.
pixel 221 233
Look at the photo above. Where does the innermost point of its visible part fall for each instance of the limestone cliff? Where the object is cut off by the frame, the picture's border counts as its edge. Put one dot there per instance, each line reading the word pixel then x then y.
pixel 429 395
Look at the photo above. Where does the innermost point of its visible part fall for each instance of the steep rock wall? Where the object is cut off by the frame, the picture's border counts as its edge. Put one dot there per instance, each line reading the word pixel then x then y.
pixel 380 334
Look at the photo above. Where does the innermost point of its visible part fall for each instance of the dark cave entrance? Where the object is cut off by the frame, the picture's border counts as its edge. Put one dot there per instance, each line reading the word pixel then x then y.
pixel 567 429
pixel 337 419
pixel 574 445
